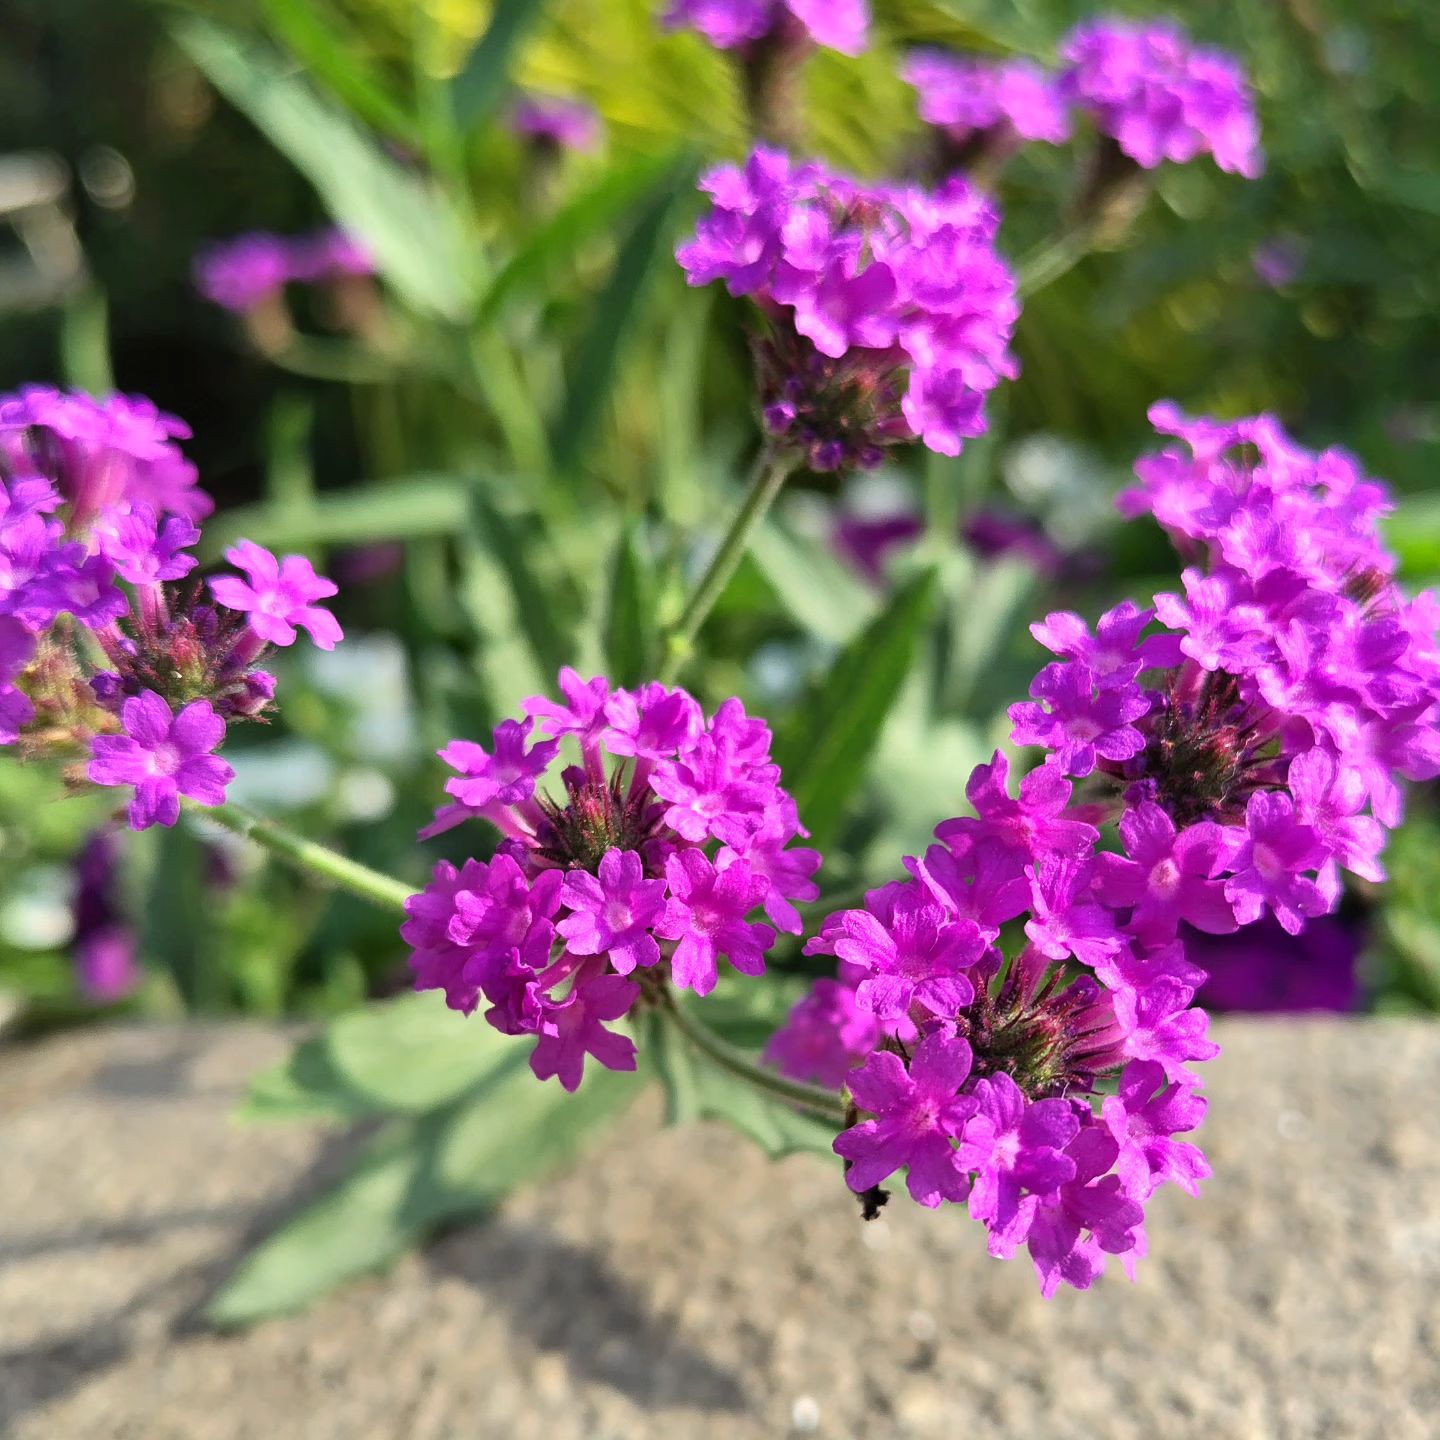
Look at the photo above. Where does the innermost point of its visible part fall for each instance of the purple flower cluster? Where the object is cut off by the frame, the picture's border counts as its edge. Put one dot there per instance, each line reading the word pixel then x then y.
pixel 105 941
pixel 966 98
pixel 1247 752
pixel 245 272
pixel 1160 97
pixel 647 867
pixel 842 25
pixel 559 121
pixel 886 312
pixel 98 511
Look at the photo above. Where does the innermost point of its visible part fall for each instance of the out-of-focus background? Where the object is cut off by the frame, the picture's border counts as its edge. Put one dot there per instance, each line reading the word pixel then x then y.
pixel 507 455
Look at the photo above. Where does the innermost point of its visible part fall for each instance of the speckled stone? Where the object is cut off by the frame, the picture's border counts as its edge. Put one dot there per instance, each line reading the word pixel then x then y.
pixel 677 1286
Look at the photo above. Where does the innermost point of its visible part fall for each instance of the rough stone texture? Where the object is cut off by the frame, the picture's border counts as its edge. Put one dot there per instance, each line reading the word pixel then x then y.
pixel 678 1286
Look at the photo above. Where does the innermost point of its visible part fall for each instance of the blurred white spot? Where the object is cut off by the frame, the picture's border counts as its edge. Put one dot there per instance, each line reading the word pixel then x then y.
pixel 107 177
pixel 921 1325
pixel 1292 1125
pixel 366 794
pixel 37 916
pixel 805 1415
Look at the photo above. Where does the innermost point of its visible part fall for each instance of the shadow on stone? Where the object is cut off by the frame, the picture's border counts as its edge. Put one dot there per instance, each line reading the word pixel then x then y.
pixel 565 1300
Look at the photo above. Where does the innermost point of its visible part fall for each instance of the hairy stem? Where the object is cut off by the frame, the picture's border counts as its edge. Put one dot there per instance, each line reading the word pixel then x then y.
pixel 772 469
pixel 825 1104
pixel 383 891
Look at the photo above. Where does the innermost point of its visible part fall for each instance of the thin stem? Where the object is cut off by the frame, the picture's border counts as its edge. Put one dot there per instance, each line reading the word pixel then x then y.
pixel 1054 258
pixel 823 1103
pixel 772 469
pixel 380 890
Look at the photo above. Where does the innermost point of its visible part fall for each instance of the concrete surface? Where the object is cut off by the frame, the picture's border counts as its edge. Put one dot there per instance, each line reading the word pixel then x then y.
pixel 676 1285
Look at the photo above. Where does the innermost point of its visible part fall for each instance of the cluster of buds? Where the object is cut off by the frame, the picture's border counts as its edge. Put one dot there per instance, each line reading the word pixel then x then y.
pixel 111 656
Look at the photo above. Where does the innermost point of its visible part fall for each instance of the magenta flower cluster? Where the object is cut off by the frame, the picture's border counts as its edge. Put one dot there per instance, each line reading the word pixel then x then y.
pixel 1147 87
pixel 246 271
pixel 648 865
pixel 1246 739
pixel 104 652
pixel 1161 97
pixel 886 312
pixel 966 97
pixel 842 25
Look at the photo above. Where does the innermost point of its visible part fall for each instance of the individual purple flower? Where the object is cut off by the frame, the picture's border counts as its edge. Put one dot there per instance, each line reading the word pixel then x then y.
pixel 505 774
pixel 278 596
pixel 329 255
pixel 86 589
pixel 242 273
pixel 1270 862
pixel 1082 725
pixel 164 756
pixel 1088 1217
pixel 1143 1118
pixel 965 97
pixel 613 913
pixel 1116 653
pixel 1168 877
pixel 557 120
pixel 1160 97
pixel 768 852
pixel 582 714
pixel 1017 1151
pixel 912 952
pixel 919 1114
pixel 574 1028
pixel 826 1035
pixel 105 943
pixel 709 793
pixel 706 914
pixel 651 723
pixel 145 552
pixel 1160 1025
pixel 1038 823
pixel 1065 919
pixel 106 964
pixel 1330 799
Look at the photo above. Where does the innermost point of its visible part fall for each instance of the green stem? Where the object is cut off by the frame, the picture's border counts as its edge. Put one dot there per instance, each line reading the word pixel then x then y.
pixel 1055 258
pixel 360 880
pixel 772 469
pixel 824 1103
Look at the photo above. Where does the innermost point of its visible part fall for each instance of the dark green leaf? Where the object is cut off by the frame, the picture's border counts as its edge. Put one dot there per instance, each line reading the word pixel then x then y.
pixel 811 582
pixel 595 368
pixel 630 611
pixel 417 239
pixel 418 1174
pixel 480 85
pixel 824 754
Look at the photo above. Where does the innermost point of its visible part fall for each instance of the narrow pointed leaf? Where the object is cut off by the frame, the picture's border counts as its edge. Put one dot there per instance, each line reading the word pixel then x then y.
pixel 480 85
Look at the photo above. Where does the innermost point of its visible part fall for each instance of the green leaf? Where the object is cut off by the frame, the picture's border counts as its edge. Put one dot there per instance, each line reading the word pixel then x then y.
pixel 480 85
pixel 590 216
pixel 540 604
pixel 407 508
pixel 402 1056
pixel 825 752
pixel 811 583
pixel 417 239
pixel 630 611
pixel 774 1126
pixel 333 53
pixel 1413 532
pixel 594 373
pixel 675 1064
pixel 418 1174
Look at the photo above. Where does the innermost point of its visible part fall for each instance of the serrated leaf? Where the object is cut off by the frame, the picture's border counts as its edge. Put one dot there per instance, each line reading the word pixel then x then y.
pixel 480 85
pixel 630 611
pixel 420 1173
pixel 825 752
pixel 416 238
pixel 593 375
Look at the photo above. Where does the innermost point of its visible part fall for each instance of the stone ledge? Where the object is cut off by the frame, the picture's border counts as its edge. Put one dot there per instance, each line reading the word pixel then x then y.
pixel 676 1285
